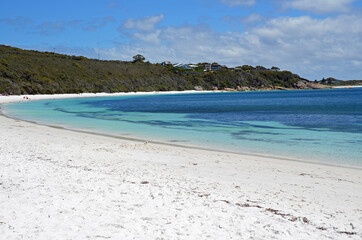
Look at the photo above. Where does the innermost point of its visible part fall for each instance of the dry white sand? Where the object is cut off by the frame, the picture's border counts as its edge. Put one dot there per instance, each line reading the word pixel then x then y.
pixel 61 184
pixel 21 98
pixel 348 86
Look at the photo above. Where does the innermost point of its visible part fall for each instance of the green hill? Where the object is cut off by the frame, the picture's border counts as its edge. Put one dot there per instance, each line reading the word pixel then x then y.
pixel 34 72
pixel 335 82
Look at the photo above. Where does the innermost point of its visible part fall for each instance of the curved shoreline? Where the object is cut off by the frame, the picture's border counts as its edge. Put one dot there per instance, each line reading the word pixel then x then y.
pixel 90 95
pixel 182 146
pixel 64 184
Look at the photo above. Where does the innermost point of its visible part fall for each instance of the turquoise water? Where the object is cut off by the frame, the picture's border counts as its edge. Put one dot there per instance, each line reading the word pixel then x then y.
pixel 319 125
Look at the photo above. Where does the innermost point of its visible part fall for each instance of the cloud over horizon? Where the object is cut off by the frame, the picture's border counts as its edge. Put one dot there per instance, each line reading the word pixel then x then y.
pixel 143 24
pixel 320 6
pixel 301 44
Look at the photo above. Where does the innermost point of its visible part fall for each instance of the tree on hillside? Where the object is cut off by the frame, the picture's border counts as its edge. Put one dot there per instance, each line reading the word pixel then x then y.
pixel 247 68
pixel 138 58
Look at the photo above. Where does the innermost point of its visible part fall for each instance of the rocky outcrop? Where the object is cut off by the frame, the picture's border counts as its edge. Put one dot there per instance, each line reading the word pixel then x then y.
pixel 230 89
pixel 243 88
pixel 304 84
pixel 280 88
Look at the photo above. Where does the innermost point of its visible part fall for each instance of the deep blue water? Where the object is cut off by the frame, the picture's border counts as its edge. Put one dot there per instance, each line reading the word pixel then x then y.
pixel 313 125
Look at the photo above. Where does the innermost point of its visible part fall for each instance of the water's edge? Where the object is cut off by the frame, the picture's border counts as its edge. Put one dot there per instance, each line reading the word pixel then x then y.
pixel 175 145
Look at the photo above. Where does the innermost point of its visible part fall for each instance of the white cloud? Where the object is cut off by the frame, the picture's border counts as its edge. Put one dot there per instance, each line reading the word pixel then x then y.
pixel 143 24
pixel 253 18
pixel 320 6
pixel 313 48
pixel 305 44
pixel 150 37
pixel 356 63
pixel 233 3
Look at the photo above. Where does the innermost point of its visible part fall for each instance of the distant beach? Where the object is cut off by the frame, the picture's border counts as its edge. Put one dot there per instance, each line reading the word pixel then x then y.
pixel 352 86
pixel 63 184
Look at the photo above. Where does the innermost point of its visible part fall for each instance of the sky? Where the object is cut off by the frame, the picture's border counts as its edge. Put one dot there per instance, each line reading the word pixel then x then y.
pixel 312 38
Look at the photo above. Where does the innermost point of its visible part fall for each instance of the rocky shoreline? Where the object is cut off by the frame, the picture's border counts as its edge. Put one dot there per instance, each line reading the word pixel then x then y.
pixel 300 85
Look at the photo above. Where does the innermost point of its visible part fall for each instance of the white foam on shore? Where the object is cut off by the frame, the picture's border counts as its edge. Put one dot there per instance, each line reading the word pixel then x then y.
pixel 59 184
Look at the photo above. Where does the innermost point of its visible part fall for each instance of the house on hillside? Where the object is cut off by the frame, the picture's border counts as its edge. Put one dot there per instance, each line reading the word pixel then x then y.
pixel 214 67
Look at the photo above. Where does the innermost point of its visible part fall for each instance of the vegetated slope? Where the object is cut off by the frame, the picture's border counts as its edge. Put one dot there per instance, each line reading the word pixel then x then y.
pixel 335 82
pixel 32 72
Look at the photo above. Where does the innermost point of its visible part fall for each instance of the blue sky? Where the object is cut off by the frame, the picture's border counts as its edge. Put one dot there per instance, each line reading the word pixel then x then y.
pixel 313 38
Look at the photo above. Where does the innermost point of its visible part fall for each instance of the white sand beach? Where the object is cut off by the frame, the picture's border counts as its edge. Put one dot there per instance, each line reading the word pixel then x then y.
pixel 351 86
pixel 61 184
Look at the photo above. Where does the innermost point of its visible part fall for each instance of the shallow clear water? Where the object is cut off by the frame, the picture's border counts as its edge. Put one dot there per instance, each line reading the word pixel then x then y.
pixel 315 125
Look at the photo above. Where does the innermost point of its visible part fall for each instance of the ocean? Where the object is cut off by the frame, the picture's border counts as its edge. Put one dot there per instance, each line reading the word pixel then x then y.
pixel 322 126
